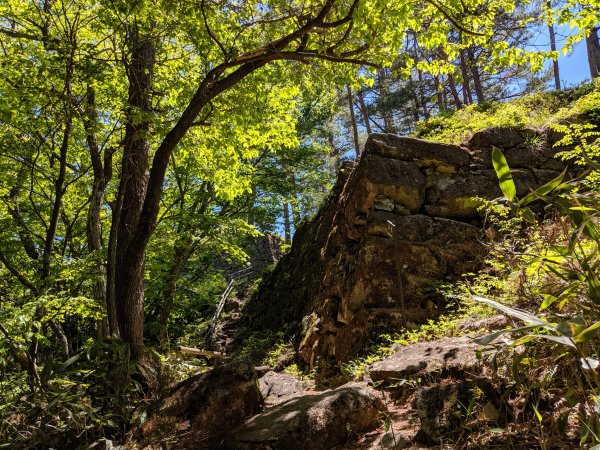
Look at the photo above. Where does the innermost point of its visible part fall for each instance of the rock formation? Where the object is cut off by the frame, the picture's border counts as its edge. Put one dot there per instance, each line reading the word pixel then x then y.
pixel 398 222
pixel 311 422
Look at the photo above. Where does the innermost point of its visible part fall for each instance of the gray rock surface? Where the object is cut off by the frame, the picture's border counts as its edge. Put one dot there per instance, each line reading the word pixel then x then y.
pixel 427 357
pixel 311 422
pixel 278 387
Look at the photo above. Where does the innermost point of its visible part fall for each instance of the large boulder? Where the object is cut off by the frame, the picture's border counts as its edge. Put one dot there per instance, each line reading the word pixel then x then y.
pixel 207 405
pixel 311 422
pixel 449 354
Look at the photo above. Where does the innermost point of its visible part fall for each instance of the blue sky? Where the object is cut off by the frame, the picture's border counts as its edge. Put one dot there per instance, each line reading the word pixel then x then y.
pixel 574 67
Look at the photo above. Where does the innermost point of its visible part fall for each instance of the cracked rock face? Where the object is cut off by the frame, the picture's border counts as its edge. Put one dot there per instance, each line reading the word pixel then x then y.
pixel 401 220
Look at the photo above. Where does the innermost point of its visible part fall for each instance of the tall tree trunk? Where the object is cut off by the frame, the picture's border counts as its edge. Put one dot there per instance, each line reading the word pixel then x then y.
pixel 93 228
pixel 294 201
pixel 467 96
pixel 287 228
pixel 128 269
pixel 388 121
pixel 415 98
pixel 365 111
pixel 422 95
pixel 438 93
pixel 251 202
pixel 353 121
pixel 181 255
pixel 593 52
pixel 553 48
pixel 454 91
pixel 475 75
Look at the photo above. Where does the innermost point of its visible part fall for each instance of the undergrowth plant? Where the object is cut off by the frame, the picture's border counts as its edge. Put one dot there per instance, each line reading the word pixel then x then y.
pixel 568 297
pixel 88 397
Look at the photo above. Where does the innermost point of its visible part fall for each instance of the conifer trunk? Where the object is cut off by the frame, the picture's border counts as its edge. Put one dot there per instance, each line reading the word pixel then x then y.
pixel 353 121
pixel 593 52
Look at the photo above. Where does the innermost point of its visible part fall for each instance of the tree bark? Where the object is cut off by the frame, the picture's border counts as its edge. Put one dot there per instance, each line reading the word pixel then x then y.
pixel 286 223
pixel 128 269
pixel 454 91
pixel 415 99
pixel 422 95
pixel 439 94
pixel 593 52
pixel 388 121
pixel 365 112
pixel 553 48
pixel 181 255
pixel 467 96
pixel 93 228
pixel 353 122
pixel 475 75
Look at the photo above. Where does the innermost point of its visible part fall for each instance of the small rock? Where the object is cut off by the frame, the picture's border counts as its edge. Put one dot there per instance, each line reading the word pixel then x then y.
pixel 491 323
pixel 393 441
pixel 278 387
pixel 383 203
pixel 401 210
pixel 262 370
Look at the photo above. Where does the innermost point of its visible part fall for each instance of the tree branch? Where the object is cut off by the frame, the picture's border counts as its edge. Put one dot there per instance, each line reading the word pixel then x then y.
pixel 18 274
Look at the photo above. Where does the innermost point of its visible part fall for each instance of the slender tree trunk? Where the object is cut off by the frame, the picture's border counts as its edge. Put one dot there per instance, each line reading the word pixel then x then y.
pixel 454 91
pixel 181 255
pixel 422 95
pixel 93 228
pixel 593 52
pixel 553 48
pixel 415 99
pixel 365 111
pixel 286 223
pixel 294 200
pixel 467 96
pixel 475 75
pixel 251 201
pixel 353 122
pixel 439 94
pixel 388 121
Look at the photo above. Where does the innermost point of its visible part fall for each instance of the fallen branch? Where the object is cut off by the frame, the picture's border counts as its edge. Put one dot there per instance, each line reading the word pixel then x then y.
pixel 197 351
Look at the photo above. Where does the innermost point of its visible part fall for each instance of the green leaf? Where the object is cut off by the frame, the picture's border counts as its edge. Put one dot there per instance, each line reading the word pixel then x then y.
pixel 507 185
pixel 70 361
pixel 517 313
pixel 588 333
pixel 564 340
pixel 537 414
pixel 543 190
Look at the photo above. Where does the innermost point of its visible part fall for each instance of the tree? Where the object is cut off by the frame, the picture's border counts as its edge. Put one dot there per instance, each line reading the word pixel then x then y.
pixel 592 43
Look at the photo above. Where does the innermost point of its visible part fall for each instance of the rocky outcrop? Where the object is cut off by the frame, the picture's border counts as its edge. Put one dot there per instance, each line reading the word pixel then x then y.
pixel 311 422
pixel 398 222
